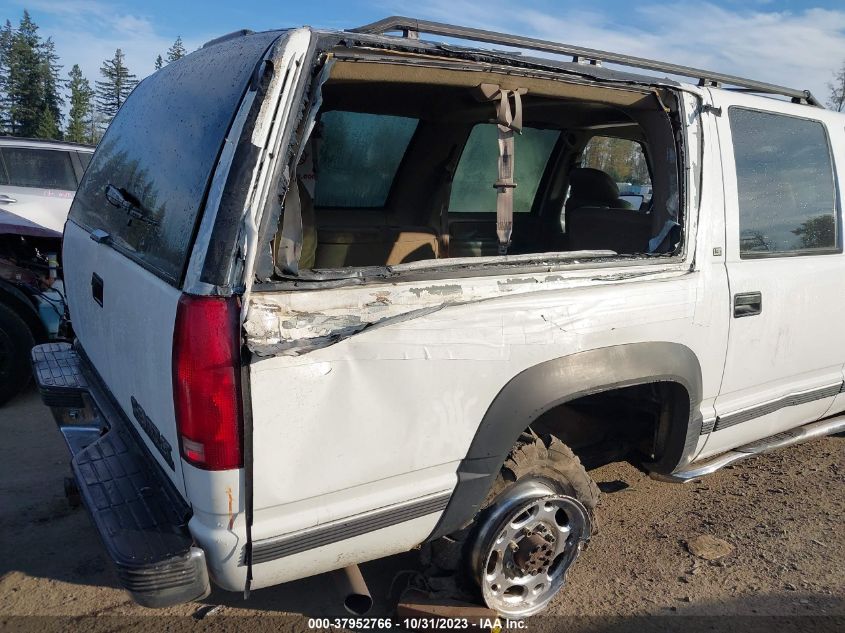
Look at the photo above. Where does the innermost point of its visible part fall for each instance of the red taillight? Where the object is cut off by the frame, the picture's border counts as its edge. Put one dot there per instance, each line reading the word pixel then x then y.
pixel 207 381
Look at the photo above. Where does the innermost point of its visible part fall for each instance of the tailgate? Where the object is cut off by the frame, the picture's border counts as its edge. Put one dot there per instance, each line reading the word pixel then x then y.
pixel 126 251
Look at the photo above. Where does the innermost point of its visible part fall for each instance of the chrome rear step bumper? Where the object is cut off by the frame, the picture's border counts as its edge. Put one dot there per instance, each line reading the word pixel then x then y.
pixel 697 470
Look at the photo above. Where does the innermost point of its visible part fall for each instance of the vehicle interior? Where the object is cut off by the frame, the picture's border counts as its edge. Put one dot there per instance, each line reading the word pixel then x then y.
pixel 401 162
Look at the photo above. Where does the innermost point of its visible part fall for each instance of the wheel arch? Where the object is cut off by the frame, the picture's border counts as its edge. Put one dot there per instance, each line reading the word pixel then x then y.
pixel 541 387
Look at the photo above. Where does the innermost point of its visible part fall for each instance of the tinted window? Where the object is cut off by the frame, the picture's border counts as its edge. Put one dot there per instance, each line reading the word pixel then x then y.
pixel 785 184
pixel 161 149
pixel 625 162
pixel 43 168
pixel 472 187
pixel 358 157
pixel 84 158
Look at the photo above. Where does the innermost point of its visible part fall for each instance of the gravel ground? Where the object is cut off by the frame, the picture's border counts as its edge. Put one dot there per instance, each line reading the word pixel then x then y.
pixel 778 518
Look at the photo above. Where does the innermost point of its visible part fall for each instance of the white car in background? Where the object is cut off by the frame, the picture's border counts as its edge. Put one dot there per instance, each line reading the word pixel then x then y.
pixel 38 180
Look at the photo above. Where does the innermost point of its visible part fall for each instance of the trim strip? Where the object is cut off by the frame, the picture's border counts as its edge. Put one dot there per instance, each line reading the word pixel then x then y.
pixel 279 547
pixel 791 400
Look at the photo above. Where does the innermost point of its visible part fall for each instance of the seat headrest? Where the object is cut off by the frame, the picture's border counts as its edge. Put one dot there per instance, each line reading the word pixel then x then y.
pixel 593 183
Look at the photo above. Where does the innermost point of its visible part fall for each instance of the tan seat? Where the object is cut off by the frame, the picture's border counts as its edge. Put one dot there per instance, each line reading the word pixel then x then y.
pixel 413 245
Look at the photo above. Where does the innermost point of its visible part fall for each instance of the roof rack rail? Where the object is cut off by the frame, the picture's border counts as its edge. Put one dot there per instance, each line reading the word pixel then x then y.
pixel 411 28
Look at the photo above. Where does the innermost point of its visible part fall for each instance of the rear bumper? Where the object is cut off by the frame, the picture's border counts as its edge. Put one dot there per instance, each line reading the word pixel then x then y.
pixel 142 520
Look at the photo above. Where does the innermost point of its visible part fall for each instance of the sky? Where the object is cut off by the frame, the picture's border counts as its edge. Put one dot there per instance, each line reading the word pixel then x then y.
pixel 793 43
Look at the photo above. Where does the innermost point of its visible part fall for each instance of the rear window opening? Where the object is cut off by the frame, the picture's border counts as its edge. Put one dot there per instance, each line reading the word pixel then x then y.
pixel 400 167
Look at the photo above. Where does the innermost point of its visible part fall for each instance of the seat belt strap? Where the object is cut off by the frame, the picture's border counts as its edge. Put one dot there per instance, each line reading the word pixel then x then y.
pixel 507 122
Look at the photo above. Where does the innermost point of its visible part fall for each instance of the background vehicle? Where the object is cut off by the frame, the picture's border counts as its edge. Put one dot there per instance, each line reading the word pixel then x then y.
pixel 37 182
pixel 318 325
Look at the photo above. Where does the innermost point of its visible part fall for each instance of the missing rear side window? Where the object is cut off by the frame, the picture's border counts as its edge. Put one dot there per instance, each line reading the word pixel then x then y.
pixel 403 168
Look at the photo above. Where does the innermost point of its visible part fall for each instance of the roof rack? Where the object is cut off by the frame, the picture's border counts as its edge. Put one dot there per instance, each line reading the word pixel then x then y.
pixel 411 28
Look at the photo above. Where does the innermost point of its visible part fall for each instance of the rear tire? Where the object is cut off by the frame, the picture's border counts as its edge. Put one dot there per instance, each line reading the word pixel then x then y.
pixel 536 469
pixel 16 341
pixel 538 517
pixel 551 460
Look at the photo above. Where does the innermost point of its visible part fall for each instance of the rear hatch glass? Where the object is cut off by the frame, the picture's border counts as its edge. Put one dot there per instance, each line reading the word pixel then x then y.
pixel 161 150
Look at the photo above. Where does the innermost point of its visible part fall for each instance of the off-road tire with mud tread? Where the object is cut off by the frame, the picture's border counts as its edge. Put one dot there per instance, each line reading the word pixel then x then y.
pixel 446 558
pixel 550 459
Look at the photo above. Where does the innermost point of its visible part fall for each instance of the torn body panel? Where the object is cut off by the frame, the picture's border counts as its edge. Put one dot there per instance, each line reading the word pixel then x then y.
pixel 412 368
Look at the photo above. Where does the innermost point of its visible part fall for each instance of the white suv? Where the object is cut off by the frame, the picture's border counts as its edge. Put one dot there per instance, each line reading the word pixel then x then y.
pixel 340 294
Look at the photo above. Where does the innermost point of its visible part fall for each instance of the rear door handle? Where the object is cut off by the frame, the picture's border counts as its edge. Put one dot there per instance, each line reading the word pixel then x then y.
pixel 7 198
pixel 747 304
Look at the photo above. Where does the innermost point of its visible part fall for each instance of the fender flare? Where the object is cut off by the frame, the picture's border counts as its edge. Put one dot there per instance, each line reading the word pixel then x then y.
pixel 541 387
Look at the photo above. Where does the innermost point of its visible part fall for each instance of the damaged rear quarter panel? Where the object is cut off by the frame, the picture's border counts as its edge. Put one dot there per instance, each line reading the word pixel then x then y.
pixel 411 367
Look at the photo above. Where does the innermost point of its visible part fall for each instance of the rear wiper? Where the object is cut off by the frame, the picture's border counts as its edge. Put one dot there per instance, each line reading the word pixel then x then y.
pixel 122 199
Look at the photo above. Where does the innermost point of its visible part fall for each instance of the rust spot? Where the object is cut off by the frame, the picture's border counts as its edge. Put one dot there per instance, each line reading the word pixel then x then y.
pixel 231 514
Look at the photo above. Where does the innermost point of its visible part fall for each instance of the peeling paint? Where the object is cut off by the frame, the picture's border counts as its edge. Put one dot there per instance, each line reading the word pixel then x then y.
pixel 438 290
pixel 296 322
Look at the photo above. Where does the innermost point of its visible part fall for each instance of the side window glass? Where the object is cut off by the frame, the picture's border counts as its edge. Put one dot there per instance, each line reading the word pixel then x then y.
pixel 358 156
pixel 625 162
pixel 785 187
pixel 42 168
pixel 472 187
pixel 84 158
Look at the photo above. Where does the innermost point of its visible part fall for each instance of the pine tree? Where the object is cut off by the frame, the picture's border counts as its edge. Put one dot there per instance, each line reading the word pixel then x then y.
pixel 117 83
pixel 6 36
pixel 51 112
pixel 177 51
pixel 79 124
pixel 32 101
pixel 159 62
pixel 25 88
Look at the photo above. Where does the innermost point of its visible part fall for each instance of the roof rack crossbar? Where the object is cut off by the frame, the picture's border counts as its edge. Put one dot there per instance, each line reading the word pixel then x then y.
pixel 411 28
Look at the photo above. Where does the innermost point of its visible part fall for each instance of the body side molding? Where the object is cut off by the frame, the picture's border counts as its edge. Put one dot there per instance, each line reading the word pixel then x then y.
pixel 537 389
pixel 793 399
pixel 274 548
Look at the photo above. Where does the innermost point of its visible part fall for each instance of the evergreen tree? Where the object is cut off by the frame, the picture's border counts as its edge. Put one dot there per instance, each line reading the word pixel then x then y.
pixel 32 102
pixel 177 51
pixel 79 124
pixel 25 88
pixel 117 83
pixel 51 112
pixel 6 35
pixel 159 62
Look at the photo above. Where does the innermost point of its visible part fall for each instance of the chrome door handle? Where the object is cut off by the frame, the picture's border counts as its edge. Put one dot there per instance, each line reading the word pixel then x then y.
pixel 7 198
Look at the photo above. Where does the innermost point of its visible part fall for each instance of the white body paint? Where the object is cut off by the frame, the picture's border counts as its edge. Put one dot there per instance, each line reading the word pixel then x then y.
pixel 385 414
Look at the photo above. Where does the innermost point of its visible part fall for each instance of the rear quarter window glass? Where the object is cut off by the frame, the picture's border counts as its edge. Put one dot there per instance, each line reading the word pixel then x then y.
pixel 472 187
pixel 358 156
pixel 39 168
pixel 785 187
pixel 162 148
pixel 84 158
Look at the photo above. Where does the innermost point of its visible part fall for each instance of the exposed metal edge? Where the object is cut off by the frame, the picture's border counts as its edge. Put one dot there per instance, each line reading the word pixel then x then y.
pixel 272 549
pixel 798 435
pixel 790 400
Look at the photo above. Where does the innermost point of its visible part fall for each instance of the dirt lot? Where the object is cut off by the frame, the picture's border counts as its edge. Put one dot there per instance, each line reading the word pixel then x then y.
pixel 781 515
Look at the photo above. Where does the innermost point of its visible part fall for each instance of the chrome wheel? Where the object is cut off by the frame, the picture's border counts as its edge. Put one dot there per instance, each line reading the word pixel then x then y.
pixel 525 547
